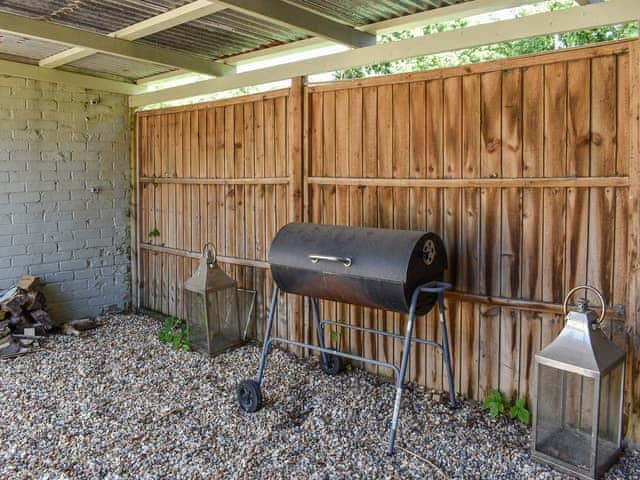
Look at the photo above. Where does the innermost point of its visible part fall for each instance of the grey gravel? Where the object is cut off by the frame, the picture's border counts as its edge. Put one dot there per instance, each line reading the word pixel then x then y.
pixel 119 404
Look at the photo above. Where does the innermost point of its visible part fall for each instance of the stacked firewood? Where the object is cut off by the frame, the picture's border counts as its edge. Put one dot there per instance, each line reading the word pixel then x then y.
pixel 24 306
pixel 24 319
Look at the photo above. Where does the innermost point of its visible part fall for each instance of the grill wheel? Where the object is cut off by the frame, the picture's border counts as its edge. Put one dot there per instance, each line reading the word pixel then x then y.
pixel 249 396
pixel 332 366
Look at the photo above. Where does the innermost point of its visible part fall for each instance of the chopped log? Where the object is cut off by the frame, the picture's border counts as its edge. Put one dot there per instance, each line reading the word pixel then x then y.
pixel 85 324
pixel 6 296
pixel 14 305
pixel 35 301
pixel 43 318
pixel 67 329
pixel 28 282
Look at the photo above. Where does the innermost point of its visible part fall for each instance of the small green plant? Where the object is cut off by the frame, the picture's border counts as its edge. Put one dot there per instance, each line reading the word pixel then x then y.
pixel 519 410
pixel 154 233
pixel 174 332
pixel 494 403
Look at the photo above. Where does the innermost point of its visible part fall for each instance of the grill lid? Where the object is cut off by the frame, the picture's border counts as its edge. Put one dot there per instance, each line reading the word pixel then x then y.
pixel 367 266
pixel 379 253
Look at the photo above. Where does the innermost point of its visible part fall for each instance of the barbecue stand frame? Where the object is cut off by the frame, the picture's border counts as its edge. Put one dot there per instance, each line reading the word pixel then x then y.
pixel 249 395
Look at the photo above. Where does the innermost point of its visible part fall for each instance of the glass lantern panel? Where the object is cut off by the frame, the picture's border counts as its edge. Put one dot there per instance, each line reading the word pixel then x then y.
pixel 196 321
pixel 609 420
pixel 564 416
pixel 224 322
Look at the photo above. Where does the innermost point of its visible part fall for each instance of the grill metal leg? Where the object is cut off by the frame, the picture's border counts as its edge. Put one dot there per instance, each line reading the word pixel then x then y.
pixel 434 287
pixel 403 370
pixel 319 327
pixel 267 334
pixel 446 355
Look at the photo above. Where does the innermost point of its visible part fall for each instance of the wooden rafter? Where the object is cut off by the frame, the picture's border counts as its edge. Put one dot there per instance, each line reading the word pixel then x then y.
pixel 85 81
pixel 164 21
pixel 607 13
pixel 101 43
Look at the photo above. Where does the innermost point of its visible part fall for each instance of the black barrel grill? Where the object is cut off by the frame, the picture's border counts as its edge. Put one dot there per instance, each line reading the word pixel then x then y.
pixel 395 270
pixel 372 267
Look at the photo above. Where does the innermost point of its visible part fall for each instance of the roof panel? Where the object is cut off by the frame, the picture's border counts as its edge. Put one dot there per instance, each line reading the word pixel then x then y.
pixel 29 48
pixel 114 66
pixel 363 12
pixel 223 34
pixel 102 16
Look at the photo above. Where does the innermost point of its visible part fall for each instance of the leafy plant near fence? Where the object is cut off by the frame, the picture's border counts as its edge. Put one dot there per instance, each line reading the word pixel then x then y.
pixel 495 404
pixel 519 410
pixel 174 332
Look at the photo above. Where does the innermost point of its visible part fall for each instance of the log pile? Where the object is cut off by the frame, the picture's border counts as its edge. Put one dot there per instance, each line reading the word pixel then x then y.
pixel 24 306
pixel 23 317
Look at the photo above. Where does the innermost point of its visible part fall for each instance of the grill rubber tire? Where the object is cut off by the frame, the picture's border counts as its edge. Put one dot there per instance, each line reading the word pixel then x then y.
pixel 332 366
pixel 249 396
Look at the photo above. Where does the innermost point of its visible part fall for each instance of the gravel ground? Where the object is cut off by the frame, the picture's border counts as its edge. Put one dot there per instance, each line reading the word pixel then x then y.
pixel 119 404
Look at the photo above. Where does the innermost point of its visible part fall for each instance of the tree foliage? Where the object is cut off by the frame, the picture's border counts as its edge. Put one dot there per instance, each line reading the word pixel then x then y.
pixel 490 52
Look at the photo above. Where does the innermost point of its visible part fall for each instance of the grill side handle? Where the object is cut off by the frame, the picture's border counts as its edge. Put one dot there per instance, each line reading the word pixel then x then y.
pixel 346 261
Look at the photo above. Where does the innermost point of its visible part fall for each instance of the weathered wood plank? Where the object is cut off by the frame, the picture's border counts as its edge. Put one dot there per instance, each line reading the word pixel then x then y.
pixel 632 321
pixel 434 221
pixel 355 163
pixel 511 231
pixel 491 166
pixel 370 199
pixel 417 208
pixel 533 155
pixel 555 163
pixel 490 229
pixel 342 196
pixel 385 206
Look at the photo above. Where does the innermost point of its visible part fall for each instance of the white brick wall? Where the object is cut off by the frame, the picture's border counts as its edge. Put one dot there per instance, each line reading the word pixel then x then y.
pixel 56 143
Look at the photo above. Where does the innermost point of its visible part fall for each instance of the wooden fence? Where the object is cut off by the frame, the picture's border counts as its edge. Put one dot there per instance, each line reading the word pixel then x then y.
pixel 521 165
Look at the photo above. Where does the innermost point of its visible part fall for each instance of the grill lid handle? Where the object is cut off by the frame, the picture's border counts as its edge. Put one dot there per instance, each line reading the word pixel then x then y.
pixel 346 261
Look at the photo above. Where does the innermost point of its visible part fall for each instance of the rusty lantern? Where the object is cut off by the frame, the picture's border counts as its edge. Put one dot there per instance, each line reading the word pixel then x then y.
pixel 577 416
pixel 211 297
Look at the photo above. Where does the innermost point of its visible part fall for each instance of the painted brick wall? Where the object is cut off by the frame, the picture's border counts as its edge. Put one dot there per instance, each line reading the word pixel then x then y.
pixel 57 143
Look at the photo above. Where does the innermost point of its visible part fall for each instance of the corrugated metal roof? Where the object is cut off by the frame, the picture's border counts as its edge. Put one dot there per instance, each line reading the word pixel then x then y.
pixel 30 48
pixel 102 16
pixel 113 66
pixel 363 12
pixel 224 33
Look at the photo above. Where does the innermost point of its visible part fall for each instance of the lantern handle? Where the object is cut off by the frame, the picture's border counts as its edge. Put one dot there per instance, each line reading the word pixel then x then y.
pixel 586 287
pixel 209 250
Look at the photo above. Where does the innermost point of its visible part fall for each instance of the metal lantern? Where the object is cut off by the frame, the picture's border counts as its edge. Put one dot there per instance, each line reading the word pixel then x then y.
pixel 577 420
pixel 211 297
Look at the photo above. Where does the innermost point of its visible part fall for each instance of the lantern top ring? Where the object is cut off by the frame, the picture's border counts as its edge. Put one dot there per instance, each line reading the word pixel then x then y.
pixel 585 287
pixel 209 252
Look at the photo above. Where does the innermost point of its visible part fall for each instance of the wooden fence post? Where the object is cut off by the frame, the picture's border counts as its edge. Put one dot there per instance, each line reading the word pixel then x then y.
pixel 633 259
pixel 134 209
pixel 295 122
